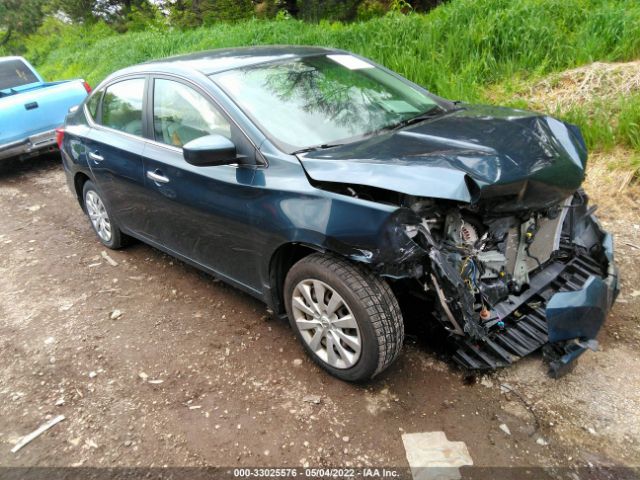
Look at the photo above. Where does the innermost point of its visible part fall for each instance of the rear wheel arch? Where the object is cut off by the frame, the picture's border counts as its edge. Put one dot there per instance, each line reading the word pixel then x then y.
pixel 104 219
pixel 79 180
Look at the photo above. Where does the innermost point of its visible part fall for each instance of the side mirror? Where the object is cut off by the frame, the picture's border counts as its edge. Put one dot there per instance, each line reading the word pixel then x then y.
pixel 209 151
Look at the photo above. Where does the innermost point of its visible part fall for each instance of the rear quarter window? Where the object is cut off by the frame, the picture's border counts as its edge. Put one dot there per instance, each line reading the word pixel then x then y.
pixel 92 104
pixel 14 73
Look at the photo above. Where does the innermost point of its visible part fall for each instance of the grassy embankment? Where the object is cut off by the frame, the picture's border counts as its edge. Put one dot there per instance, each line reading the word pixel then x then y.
pixel 473 50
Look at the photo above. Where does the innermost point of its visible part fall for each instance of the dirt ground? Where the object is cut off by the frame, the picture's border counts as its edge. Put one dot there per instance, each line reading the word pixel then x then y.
pixel 156 364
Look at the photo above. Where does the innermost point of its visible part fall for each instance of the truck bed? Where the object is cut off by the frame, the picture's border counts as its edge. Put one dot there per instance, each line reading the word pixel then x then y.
pixel 29 114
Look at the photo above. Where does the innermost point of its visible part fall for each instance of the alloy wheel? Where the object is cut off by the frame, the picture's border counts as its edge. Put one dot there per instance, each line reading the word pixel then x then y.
pixel 98 215
pixel 326 323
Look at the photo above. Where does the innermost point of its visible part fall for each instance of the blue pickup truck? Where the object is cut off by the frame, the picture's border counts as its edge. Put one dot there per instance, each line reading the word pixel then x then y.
pixel 31 109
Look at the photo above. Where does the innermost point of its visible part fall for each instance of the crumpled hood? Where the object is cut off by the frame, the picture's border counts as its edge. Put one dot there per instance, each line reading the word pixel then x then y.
pixel 512 158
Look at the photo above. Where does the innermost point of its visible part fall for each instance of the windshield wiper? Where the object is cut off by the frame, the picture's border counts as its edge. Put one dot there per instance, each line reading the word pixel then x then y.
pixel 428 115
pixel 436 111
pixel 314 148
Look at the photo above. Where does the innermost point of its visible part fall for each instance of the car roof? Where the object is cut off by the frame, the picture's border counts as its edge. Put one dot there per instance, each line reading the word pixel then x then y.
pixel 8 59
pixel 215 61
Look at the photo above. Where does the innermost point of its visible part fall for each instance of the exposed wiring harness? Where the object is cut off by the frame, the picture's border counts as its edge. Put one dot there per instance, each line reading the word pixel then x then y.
pixel 470 273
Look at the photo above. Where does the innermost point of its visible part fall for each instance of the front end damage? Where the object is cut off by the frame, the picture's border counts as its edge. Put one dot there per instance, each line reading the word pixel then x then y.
pixel 506 284
pixel 491 227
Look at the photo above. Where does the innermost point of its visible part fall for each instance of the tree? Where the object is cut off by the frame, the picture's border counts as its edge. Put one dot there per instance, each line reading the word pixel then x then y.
pixel 19 17
pixel 271 8
pixel 193 13
pixel 83 11
pixel 185 13
pixel 347 10
pixel 316 10
pixel 78 11
pixel 229 11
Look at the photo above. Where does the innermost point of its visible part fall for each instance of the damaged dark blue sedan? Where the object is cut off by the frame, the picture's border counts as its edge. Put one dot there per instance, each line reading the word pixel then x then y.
pixel 334 190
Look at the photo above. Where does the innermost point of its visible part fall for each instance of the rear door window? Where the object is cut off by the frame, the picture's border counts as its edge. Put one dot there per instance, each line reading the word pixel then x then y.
pixel 14 73
pixel 122 106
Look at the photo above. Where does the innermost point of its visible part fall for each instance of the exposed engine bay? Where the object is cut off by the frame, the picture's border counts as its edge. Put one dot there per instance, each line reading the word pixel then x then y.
pixel 504 282
pixel 492 257
pixel 494 276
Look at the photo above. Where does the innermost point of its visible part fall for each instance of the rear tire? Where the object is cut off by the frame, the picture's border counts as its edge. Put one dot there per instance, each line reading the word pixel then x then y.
pixel 347 318
pixel 102 222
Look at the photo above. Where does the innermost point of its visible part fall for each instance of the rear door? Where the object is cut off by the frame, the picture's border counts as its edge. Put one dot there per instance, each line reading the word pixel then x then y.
pixel 201 213
pixel 114 148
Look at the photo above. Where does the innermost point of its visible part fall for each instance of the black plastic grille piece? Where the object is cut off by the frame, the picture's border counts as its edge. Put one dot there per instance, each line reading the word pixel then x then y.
pixel 525 323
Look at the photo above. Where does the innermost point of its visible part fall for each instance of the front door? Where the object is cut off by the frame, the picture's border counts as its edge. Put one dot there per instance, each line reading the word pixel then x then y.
pixel 202 213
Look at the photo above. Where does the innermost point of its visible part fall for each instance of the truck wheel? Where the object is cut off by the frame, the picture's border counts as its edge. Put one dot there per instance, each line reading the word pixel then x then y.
pixel 348 319
pixel 102 222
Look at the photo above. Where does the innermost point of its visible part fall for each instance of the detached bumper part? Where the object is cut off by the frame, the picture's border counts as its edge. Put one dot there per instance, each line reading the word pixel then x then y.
pixel 575 318
pixel 29 146
pixel 563 310
pixel 562 359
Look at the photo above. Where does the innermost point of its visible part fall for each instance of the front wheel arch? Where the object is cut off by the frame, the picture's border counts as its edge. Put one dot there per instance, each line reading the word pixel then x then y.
pixel 285 257
pixel 282 259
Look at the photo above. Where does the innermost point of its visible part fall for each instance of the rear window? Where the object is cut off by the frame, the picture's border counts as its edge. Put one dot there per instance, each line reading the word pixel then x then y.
pixel 14 73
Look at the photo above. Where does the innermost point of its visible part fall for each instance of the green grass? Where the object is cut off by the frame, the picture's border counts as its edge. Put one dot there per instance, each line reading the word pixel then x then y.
pixel 608 124
pixel 457 50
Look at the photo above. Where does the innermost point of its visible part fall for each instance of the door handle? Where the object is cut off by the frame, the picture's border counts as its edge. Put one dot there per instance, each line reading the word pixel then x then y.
pixel 157 177
pixel 95 157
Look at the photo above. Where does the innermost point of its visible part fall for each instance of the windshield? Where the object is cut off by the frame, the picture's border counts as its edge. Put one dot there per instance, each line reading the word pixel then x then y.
pixel 14 73
pixel 322 100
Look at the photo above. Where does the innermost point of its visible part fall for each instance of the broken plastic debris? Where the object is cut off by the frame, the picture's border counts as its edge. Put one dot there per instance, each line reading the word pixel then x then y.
pixel 311 399
pixel 505 428
pixel 505 388
pixel 109 260
pixel 431 456
pixel 486 382
pixel 91 443
pixel 36 433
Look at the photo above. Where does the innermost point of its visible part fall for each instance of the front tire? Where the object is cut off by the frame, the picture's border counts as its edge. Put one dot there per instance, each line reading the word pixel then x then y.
pixel 103 223
pixel 347 319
